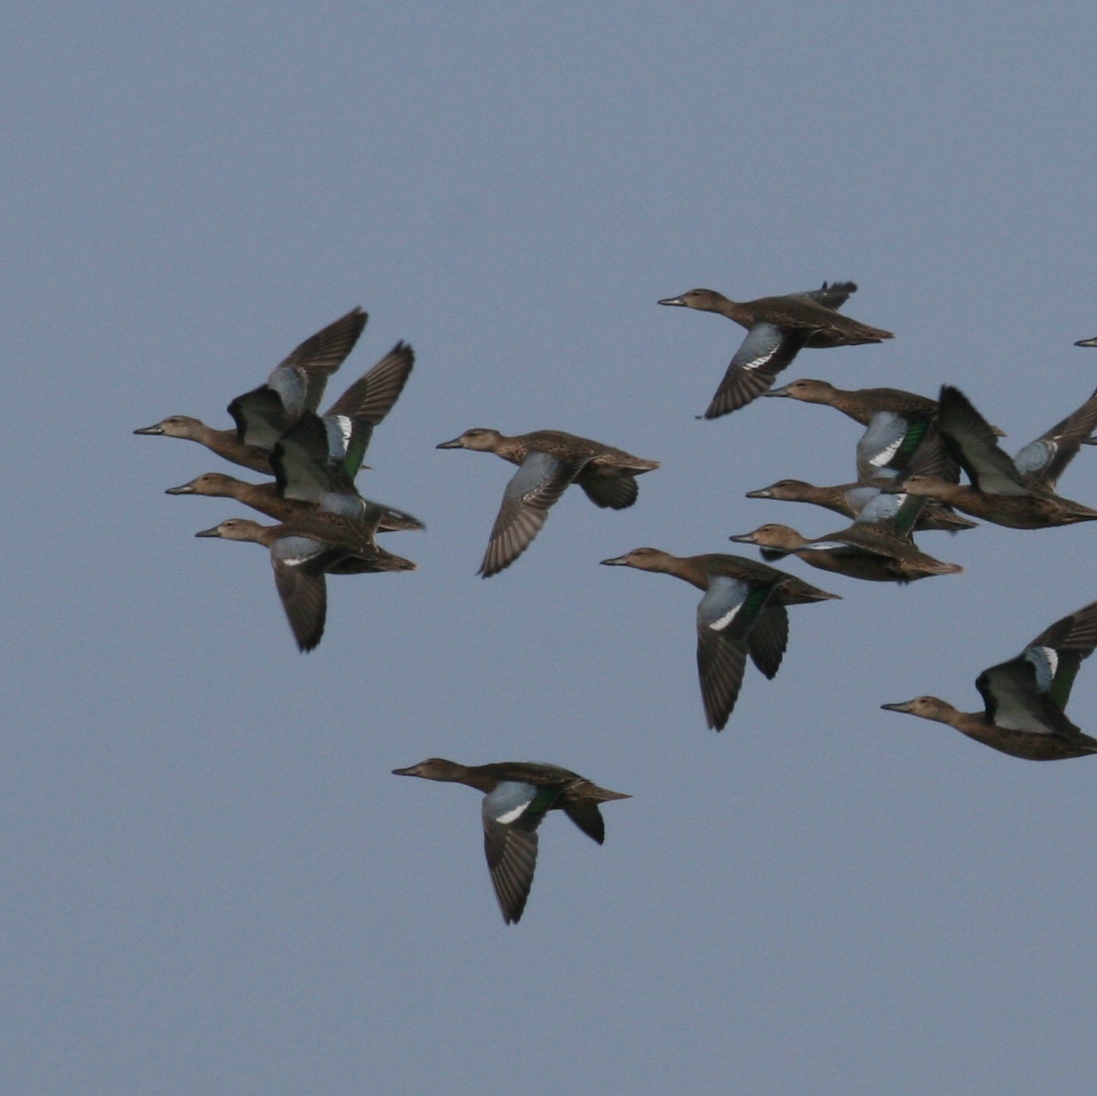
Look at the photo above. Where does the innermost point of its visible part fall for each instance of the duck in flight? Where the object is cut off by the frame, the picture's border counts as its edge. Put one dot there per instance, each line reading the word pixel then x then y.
pixel 778 328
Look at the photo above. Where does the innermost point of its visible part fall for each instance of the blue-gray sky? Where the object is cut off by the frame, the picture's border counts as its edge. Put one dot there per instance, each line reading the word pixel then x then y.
pixel 211 883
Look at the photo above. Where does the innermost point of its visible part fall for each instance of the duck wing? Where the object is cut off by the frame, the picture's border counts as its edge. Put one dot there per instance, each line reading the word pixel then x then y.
pixel 539 482
pixel 1043 461
pixel 296 384
pixel 615 492
pixel 511 814
pixel 768 639
pixel 725 617
pixel 299 564
pixel 364 405
pixel 971 440
pixel 767 350
pixel 1030 692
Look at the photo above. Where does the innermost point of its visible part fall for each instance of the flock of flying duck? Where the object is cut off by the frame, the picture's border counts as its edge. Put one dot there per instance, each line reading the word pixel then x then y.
pixel 909 464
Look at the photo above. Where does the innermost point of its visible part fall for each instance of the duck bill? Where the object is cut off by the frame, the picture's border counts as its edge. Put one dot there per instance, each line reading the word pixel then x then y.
pixel 185 489
pixel 617 561
pixel 761 493
pixel 157 429
pixel 411 770
pixel 903 706
pixel 454 444
pixel 745 538
pixel 214 532
pixel 777 392
pixel 1080 342
pixel 677 302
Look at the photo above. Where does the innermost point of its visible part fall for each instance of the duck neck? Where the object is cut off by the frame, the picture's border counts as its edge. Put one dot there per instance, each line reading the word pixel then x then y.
pixel 733 310
pixel 512 449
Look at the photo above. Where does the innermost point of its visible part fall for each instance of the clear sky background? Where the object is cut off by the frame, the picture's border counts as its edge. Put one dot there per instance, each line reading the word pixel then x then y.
pixel 210 882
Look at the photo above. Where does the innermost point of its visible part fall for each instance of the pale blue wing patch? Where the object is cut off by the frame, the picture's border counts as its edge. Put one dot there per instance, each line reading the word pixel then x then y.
pixel 290 385
pixel 295 551
pixel 1046 662
pixel 880 507
pixel 880 442
pixel 722 602
pixel 859 497
pixel 1036 456
pixel 508 802
pixel 757 350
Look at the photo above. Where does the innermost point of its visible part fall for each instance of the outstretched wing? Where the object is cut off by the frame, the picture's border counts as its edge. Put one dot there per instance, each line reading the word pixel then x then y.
pixel 1042 461
pixel 765 352
pixel 539 482
pixel 511 814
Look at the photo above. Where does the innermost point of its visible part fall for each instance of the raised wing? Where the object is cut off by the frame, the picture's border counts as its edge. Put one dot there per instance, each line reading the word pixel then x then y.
pixel 364 405
pixel 1043 461
pixel 315 360
pixel 971 440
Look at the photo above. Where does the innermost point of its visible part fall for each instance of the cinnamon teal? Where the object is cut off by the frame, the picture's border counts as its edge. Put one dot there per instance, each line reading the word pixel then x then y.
pixel 548 461
pixel 298 382
pixel 1017 493
pixel 863 550
pixel 1025 697
pixel 850 499
pixel 859 404
pixel 268 499
pixel 302 551
pixel 742 613
pixel 778 328
pixel 517 796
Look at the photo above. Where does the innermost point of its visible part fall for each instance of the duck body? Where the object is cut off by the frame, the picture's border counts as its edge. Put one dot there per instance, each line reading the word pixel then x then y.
pixel 860 404
pixel 517 796
pixel 1025 697
pixel 742 613
pixel 268 499
pixel 548 462
pixel 302 551
pixel 863 551
pixel 295 387
pixel 850 499
pixel 778 328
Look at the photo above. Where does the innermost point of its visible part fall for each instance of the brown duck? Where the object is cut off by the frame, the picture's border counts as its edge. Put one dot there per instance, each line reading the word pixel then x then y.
pixel 1025 697
pixel 548 461
pixel 862 551
pixel 778 328
pixel 1018 493
pixel 742 613
pixel 517 796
